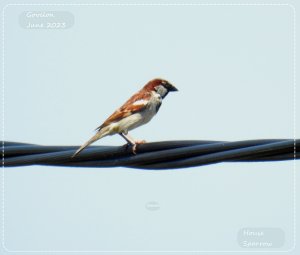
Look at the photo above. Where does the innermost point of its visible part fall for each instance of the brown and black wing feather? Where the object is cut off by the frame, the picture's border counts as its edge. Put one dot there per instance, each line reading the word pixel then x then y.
pixel 130 107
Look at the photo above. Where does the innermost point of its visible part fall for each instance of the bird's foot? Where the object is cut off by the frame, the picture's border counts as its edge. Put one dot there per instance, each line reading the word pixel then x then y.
pixel 134 146
pixel 140 141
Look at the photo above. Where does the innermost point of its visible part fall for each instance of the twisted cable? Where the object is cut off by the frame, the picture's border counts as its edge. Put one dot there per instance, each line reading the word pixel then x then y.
pixel 152 156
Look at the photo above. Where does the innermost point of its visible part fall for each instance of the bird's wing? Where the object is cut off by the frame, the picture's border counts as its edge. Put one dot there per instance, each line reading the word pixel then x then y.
pixel 136 103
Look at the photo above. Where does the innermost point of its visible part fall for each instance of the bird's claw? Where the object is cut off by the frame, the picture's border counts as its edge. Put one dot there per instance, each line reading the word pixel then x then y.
pixel 134 146
pixel 140 141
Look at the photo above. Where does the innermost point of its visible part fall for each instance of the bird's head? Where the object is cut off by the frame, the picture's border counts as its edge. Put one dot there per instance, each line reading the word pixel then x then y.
pixel 160 86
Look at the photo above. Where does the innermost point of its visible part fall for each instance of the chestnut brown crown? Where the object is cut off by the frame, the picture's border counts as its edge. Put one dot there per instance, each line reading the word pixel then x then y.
pixel 151 85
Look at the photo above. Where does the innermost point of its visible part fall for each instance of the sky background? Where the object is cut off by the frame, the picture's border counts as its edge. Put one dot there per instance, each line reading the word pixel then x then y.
pixel 234 68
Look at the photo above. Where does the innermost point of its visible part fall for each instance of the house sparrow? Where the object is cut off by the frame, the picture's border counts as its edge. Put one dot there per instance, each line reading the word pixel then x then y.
pixel 137 111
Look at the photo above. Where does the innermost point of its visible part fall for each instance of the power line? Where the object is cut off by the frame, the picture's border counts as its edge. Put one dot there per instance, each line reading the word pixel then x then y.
pixel 155 156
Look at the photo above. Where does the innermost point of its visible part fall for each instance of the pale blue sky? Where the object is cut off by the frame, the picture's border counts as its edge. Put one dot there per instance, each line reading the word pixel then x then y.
pixel 233 66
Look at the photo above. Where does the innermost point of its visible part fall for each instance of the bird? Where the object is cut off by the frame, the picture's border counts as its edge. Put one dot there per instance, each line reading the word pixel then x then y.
pixel 138 110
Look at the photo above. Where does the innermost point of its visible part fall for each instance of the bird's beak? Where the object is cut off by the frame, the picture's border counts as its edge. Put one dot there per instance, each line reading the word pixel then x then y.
pixel 172 88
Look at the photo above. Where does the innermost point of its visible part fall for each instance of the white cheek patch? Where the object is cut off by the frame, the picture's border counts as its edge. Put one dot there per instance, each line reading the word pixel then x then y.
pixel 140 102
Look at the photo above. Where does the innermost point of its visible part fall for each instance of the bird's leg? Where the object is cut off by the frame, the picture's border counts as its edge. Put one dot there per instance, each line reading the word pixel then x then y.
pixel 131 141
pixel 128 138
pixel 135 141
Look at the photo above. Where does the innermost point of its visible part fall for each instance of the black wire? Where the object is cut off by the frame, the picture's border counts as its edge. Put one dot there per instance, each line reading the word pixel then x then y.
pixel 158 155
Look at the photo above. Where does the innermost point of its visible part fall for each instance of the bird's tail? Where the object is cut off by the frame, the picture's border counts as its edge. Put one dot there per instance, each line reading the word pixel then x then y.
pixel 96 137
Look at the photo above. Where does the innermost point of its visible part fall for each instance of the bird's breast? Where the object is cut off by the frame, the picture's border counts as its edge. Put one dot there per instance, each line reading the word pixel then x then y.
pixel 139 118
pixel 153 105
